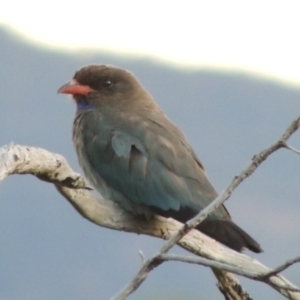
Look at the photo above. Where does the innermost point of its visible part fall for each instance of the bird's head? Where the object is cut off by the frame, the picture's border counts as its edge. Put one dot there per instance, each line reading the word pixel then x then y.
pixel 96 86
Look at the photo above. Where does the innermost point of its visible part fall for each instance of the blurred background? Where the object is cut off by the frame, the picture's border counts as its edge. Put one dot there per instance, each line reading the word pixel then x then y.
pixel 227 73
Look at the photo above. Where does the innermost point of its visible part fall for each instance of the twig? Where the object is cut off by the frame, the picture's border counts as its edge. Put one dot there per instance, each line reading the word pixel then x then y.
pixel 233 269
pixel 142 256
pixel 292 149
pixel 281 267
pixel 207 263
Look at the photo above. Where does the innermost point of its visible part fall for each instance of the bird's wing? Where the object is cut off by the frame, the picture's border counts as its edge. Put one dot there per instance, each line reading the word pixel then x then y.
pixel 153 166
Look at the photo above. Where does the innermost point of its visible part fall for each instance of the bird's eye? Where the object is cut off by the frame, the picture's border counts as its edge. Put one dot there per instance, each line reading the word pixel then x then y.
pixel 107 83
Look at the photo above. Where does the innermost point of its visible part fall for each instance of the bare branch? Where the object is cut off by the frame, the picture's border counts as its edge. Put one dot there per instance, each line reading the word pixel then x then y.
pixel 292 149
pixel 230 287
pixel 256 161
pixel 207 263
pixel 282 267
pixel 108 214
pixel 236 270
pixel 43 164
pixel 142 256
pixel 54 168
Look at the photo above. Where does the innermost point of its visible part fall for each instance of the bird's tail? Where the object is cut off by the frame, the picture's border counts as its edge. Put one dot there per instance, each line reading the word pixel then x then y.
pixel 229 234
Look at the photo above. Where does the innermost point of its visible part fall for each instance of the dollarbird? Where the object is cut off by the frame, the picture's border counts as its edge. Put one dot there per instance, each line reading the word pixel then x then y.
pixel 134 155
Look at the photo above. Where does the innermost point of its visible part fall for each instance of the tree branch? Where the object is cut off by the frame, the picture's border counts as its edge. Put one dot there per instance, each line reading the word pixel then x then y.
pixel 186 228
pixel 282 267
pixel 54 168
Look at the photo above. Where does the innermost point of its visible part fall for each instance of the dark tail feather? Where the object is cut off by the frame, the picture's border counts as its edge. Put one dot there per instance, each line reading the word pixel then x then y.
pixel 229 234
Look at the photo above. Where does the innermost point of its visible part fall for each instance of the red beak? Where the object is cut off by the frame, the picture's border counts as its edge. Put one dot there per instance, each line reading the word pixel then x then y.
pixel 73 87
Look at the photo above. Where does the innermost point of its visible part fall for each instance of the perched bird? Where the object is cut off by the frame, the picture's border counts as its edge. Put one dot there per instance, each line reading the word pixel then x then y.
pixel 134 155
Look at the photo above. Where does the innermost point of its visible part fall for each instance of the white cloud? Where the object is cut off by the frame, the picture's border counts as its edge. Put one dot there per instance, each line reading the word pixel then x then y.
pixel 260 36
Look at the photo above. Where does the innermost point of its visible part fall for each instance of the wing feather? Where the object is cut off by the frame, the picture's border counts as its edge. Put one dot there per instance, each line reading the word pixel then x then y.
pixel 153 166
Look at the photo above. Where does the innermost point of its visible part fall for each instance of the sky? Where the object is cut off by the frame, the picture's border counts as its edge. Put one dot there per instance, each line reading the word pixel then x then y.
pixel 261 37
pixel 47 250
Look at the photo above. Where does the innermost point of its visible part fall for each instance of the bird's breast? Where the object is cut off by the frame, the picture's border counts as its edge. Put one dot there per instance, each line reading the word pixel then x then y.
pixel 93 143
pixel 83 137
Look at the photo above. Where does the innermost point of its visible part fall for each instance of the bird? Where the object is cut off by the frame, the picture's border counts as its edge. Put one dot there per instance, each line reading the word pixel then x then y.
pixel 134 155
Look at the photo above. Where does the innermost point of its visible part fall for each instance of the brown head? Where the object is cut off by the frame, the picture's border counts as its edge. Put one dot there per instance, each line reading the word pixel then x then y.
pixel 96 86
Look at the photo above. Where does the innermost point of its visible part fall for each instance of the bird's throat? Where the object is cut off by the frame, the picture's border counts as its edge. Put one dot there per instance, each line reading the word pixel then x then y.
pixel 84 105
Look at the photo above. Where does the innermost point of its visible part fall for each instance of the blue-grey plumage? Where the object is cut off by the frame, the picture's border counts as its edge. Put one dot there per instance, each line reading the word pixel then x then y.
pixel 134 155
